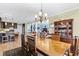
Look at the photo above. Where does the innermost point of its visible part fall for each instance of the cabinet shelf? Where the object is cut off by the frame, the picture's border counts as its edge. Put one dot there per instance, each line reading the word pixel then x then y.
pixel 64 28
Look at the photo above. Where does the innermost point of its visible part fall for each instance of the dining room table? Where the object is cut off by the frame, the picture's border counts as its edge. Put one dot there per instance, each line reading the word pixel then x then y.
pixel 51 47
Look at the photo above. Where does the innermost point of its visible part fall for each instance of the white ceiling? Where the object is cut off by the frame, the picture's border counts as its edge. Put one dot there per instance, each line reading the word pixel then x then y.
pixel 25 12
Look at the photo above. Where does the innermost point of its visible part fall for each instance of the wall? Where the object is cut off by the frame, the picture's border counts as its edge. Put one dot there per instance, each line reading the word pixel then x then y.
pixel 73 14
pixel 19 28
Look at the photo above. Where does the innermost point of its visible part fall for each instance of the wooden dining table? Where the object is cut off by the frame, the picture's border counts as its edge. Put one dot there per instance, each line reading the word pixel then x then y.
pixel 51 47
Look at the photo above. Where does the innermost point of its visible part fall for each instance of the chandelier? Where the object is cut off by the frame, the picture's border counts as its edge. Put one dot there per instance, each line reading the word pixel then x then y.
pixel 41 15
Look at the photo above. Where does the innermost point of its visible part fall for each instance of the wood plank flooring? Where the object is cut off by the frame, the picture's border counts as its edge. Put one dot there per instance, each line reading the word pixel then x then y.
pixel 10 45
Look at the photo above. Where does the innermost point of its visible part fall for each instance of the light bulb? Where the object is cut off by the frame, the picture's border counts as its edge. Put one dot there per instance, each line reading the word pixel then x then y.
pixel 12 24
pixel 36 16
pixel 45 14
pixel 47 20
pixel 5 23
pixel 40 13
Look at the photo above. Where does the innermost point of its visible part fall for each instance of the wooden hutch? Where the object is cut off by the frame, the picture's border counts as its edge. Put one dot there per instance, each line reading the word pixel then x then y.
pixel 65 29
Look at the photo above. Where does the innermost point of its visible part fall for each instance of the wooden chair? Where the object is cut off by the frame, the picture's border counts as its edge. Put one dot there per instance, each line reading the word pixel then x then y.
pixel 68 53
pixel 75 46
pixel 31 44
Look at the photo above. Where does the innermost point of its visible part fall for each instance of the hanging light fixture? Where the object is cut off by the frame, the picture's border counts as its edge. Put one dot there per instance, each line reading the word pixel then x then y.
pixel 5 23
pixel 41 16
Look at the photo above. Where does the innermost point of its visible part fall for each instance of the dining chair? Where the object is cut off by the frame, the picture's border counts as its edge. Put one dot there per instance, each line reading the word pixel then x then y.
pixel 68 53
pixel 75 46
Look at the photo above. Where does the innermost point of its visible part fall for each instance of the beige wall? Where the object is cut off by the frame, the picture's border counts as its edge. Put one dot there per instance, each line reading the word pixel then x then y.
pixel 73 14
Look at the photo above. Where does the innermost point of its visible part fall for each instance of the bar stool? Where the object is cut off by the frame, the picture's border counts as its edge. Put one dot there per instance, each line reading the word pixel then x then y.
pixel 11 37
pixel 4 38
pixel 0 38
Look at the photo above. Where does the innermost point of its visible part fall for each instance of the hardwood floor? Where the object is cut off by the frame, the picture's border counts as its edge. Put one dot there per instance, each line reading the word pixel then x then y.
pixel 10 45
pixel 14 45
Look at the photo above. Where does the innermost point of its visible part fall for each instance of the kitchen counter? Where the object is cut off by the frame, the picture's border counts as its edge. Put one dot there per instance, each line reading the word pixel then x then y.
pixel 52 47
